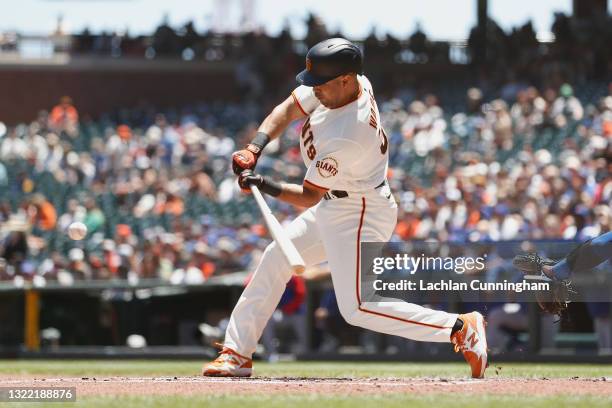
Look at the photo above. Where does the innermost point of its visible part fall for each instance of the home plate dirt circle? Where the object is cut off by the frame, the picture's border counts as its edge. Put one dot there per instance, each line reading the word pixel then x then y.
pixel 96 386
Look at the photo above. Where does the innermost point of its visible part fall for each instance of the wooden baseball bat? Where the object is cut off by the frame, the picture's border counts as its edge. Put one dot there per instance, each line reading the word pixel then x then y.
pixel 278 233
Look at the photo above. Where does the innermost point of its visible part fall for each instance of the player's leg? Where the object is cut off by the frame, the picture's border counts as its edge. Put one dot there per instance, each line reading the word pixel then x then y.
pixel 507 318
pixel 343 225
pixel 603 330
pixel 268 337
pixel 502 319
pixel 261 296
pixel 298 322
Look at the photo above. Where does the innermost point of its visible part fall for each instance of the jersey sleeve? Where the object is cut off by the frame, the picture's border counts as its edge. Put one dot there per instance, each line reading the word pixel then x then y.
pixel 305 98
pixel 331 162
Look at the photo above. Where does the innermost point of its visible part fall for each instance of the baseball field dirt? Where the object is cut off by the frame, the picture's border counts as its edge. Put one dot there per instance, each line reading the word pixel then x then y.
pixel 140 383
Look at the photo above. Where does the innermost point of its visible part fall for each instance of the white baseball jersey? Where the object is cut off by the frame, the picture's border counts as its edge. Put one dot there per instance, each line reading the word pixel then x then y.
pixel 343 148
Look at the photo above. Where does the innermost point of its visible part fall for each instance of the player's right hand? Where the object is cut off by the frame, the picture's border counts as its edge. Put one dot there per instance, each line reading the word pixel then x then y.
pixel 247 179
pixel 243 160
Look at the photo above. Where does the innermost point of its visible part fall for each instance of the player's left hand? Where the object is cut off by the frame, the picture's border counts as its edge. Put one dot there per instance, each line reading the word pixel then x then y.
pixel 247 179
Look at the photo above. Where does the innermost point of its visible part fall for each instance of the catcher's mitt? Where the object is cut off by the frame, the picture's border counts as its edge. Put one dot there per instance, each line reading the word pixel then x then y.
pixel 554 300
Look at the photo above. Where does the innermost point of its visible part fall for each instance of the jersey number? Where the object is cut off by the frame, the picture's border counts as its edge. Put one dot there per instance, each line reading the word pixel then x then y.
pixel 384 142
pixel 307 139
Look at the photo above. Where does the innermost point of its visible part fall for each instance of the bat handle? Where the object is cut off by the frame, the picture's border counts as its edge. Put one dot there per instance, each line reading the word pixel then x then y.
pixel 259 198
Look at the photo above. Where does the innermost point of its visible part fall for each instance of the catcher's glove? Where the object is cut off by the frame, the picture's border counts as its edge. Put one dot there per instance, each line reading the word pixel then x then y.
pixel 554 300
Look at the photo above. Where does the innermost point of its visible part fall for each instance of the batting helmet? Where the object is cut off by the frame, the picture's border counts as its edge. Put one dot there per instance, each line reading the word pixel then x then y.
pixel 330 59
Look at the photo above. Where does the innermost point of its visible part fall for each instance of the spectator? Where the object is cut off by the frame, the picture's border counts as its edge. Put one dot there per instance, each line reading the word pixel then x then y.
pixel 13 147
pixel 94 219
pixel 77 267
pixel 64 117
pixel 566 107
pixel 42 213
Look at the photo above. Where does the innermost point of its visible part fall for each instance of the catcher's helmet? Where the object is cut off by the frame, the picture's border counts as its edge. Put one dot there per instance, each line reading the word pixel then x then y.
pixel 330 59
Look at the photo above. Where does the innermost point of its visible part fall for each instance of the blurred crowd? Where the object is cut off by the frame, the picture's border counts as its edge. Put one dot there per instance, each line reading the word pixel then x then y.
pixel 537 168
pixel 156 192
pixel 524 154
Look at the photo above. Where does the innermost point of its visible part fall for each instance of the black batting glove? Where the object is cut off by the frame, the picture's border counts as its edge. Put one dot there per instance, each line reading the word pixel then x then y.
pixel 247 179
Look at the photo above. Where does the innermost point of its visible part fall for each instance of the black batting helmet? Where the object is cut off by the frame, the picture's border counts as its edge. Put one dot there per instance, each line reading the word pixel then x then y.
pixel 330 59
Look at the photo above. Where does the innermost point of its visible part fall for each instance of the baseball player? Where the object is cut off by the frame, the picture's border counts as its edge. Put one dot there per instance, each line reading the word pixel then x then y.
pixel 586 256
pixel 582 259
pixel 345 150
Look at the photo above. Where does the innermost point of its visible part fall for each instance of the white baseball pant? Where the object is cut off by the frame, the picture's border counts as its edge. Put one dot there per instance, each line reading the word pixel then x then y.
pixel 332 230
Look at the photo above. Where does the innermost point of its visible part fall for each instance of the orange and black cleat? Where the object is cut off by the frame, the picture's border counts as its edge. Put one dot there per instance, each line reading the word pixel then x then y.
pixel 471 340
pixel 229 364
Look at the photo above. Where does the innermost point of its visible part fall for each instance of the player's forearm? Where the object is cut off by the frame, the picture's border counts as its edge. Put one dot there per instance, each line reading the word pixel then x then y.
pixel 272 126
pixel 305 195
pixel 297 195
pixel 275 123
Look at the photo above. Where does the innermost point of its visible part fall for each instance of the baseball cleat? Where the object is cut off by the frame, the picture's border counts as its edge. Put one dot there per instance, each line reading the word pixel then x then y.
pixel 229 364
pixel 471 340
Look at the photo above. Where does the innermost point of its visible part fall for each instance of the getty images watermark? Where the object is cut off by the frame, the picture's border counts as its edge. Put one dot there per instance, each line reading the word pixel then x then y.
pixel 437 273
pixel 404 263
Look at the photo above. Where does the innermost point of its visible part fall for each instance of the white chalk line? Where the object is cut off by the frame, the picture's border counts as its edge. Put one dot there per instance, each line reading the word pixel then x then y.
pixel 235 381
